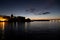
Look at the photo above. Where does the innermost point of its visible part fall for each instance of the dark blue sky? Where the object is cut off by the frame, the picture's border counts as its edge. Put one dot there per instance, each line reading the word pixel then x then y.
pixel 34 9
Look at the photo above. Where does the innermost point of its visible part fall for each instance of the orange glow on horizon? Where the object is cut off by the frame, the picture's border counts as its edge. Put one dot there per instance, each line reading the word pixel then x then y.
pixel 35 18
pixel 2 19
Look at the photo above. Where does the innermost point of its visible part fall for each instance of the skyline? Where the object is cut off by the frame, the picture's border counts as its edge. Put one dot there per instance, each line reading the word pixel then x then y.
pixel 33 9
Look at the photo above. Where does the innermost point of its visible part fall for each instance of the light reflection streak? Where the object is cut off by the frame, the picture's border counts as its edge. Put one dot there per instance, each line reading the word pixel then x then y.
pixel 2 27
pixel 54 20
pixel 2 24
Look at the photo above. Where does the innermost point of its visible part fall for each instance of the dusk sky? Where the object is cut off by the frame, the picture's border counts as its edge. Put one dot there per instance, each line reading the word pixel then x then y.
pixel 33 9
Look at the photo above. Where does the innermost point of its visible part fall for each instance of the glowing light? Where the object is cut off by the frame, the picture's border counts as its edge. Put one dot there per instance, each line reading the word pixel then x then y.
pixel 59 20
pixel 2 24
pixel 3 19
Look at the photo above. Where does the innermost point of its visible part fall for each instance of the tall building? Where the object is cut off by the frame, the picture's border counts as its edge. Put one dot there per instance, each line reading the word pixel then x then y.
pixel 12 16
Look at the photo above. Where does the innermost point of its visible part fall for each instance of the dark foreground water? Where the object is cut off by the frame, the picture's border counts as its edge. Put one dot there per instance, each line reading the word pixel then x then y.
pixel 30 30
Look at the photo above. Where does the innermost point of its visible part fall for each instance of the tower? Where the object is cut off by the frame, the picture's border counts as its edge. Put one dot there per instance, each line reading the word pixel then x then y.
pixel 11 15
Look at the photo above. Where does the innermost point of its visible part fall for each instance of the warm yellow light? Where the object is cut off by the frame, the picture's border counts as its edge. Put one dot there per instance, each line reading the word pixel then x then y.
pixel 2 25
pixel 2 19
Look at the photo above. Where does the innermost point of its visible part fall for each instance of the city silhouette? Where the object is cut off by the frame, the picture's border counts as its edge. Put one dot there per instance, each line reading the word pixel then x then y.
pixel 29 19
pixel 13 18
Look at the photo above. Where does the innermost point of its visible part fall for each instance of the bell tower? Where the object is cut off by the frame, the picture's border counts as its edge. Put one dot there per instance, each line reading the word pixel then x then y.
pixel 11 15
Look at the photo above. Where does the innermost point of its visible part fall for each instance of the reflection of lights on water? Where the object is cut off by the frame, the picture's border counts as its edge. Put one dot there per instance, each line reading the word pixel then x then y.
pixel 50 21
pixel 59 20
pixel 2 26
pixel 2 29
pixel 54 20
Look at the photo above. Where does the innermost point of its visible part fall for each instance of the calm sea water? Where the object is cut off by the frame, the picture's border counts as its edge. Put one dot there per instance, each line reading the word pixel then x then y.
pixel 30 30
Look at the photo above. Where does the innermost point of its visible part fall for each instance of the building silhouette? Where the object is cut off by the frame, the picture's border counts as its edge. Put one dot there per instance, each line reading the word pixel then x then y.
pixel 16 19
pixel 13 18
pixel 20 19
pixel 28 20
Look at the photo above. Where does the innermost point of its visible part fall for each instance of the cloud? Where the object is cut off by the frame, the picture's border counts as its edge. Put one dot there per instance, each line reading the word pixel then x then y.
pixel 45 13
pixel 27 10
pixel 30 10
pixel 35 12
